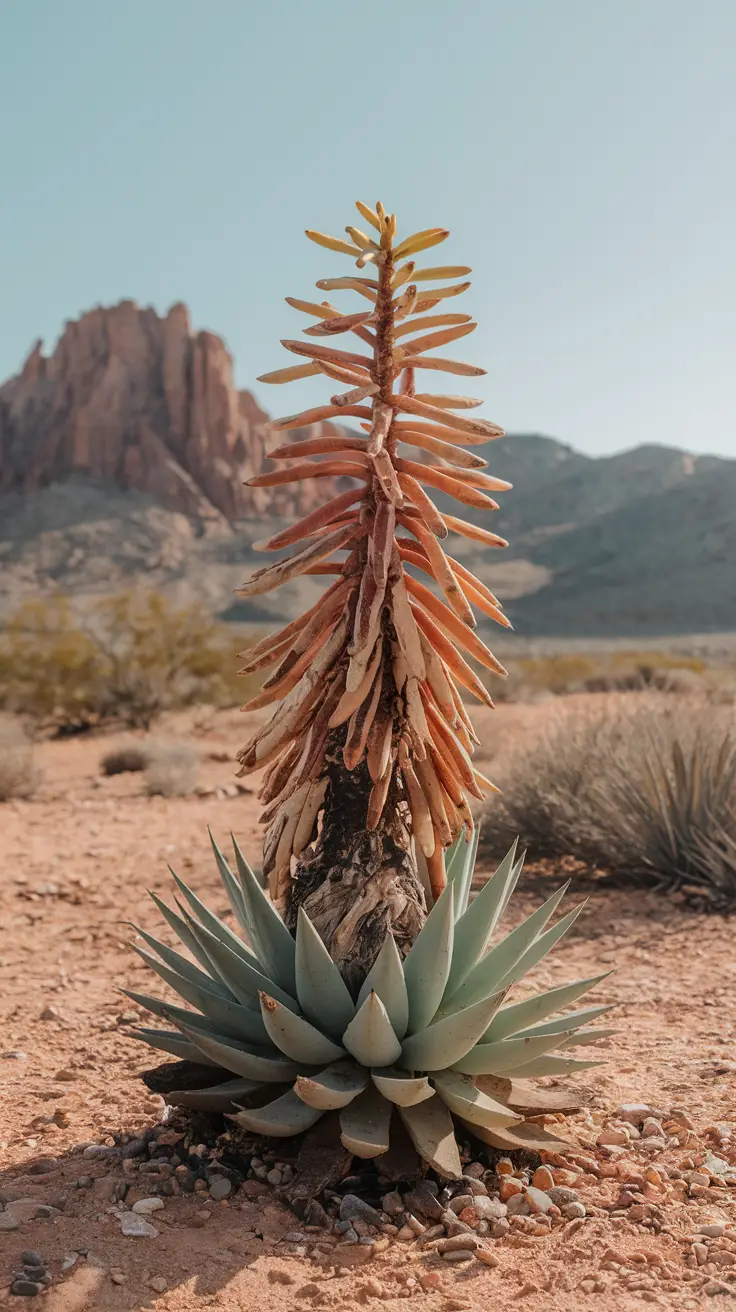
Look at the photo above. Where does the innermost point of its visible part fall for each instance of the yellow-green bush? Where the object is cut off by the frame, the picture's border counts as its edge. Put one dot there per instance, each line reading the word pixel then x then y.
pixel 127 658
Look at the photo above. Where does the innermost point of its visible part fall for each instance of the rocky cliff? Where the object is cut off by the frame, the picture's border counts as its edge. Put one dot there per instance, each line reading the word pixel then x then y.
pixel 140 403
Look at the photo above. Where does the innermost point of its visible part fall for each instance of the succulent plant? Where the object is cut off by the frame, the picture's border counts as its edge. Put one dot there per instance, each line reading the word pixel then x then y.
pixel 380 656
pixel 428 1038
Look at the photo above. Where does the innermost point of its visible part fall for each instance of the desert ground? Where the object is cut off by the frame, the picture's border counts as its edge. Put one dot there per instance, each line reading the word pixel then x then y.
pixel 76 860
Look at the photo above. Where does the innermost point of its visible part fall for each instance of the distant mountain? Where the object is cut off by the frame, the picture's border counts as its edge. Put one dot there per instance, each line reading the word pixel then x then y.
pixel 123 454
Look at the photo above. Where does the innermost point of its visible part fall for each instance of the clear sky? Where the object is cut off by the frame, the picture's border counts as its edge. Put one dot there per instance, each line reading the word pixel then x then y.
pixel 581 151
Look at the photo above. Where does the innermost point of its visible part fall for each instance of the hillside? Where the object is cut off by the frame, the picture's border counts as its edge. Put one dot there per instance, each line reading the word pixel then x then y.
pixel 123 454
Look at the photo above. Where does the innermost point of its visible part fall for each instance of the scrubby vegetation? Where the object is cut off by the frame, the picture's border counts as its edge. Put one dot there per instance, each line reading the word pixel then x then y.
pixel 125 660
pixel 644 670
pixel 171 770
pixel 18 774
pixel 644 789
pixel 128 759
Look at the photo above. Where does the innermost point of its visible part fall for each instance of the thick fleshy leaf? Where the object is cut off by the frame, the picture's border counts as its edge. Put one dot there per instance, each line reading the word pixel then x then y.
pixel 461 866
pixel 369 1037
pixel 232 887
pixel 365 1123
pixel 428 962
pixel 539 949
pixel 448 1040
pixel 170 1041
pixel 295 1037
pixel 521 1138
pixel 322 992
pixel 267 1067
pixel 230 1017
pixel 498 1058
pixel 521 1015
pixel 212 923
pixel 462 1097
pixel 271 939
pixel 499 964
pixel 586 1038
pixel 531 1099
pixel 333 1087
pixel 477 923
pixel 572 1021
pixel 279 1119
pixel 551 1065
pixel 244 979
pixel 216 1098
pixel 183 967
pixel 432 1132
pixel 386 978
pixel 182 929
pixel 400 1087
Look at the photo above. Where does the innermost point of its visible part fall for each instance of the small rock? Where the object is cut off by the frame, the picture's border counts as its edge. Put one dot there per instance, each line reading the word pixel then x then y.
pixel 633 1112
pixel 159 1283
pixel 294 1237
pixel 406 1234
pixel 273 1176
pixel 718 1286
pixel 380 1245
pixel 220 1188
pixel 69 1261
pixel 414 1224
pixel 500 1228
pixel 460 1202
pixel 574 1211
pixel 509 1187
pixel 561 1194
pixel 43 1166
pixel 457 1257
pixel 543 1179
pixel 518 1205
pixel 66 1077
pixel 351 1207
pixel 421 1199
pixel 612 1139
pixel 715 1230
pixel 50 1013
pixel 476 1170
pixel 137 1227
pixel 280 1277
pixel 392 1203
pixel 538 1200
pixel 458 1243
pixel 146 1205
pixel 8 1222
pixel 117 1276
pixel 31 1257
pixel 27 1288
pixel 485 1256
pixel 15 1054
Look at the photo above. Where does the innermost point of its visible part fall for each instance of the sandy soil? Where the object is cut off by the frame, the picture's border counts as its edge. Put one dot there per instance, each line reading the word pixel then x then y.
pixel 75 863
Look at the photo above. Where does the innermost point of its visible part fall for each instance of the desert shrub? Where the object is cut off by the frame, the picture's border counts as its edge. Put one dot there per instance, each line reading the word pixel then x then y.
pixel 535 677
pixel 171 770
pixel 646 792
pixel 129 759
pixel 18 774
pixel 127 659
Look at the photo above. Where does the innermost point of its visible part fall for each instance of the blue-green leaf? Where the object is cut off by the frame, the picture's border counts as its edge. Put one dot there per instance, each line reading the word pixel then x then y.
pixel 295 1037
pixel 386 978
pixel 477 923
pixel 369 1037
pixel 428 962
pixel 273 942
pixel 323 994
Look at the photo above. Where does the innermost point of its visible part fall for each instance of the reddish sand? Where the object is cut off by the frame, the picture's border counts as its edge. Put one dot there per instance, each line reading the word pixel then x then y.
pixel 75 863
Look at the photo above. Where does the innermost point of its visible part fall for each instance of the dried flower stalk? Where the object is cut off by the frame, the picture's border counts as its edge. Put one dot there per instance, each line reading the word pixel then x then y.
pixel 381 658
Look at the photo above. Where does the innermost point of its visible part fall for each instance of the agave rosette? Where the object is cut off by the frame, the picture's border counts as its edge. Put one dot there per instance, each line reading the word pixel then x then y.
pixel 429 1039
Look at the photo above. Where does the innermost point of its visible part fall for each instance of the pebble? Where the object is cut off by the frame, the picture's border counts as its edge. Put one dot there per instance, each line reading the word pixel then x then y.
pixel 518 1205
pixel 8 1222
pixel 459 1256
pixel 476 1170
pixel 457 1244
pixel 31 1257
pixel 715 1230
pixel 273 1176
pixel 392 1203
pixel 29 1288
pixel 414 1224
pixel 294 1237
pixel 69 1261
pixel 421 1199
pixel 351 1207
pixel 380 1245
pixel 561 1194
pixel 485 1256
pixel 405 1233
pixel 159 1283
pixel 137 1227
pixel 146 1205
pixel 538 1200
pixel 633 1112
pixel 509 1186
pixel 15 1054
pixel 431 1280
pixel 50 1013
pixel 221 1187
pixel 490 1209
pixel 543 1179
pixel 574 1211
pixel 43 1166
pixel 612 1139
pixel 117 1276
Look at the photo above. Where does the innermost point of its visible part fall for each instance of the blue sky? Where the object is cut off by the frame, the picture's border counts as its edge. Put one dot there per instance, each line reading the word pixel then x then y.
pixel 581 151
